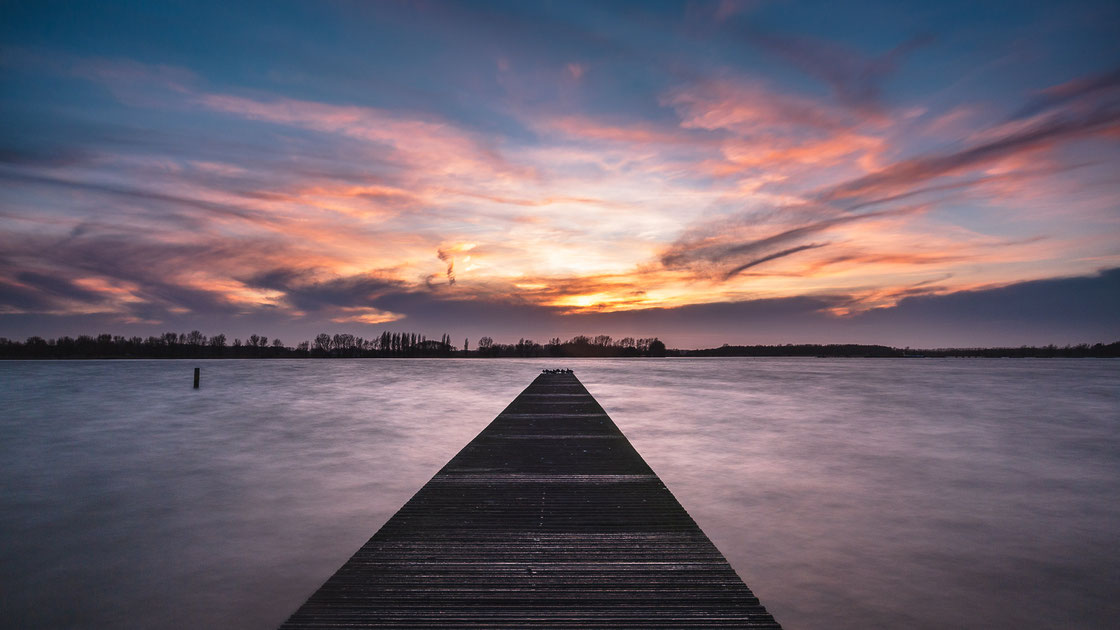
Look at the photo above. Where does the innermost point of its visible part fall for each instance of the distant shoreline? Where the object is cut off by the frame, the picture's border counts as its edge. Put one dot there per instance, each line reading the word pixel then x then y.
pixel 412 346
pixel 473 358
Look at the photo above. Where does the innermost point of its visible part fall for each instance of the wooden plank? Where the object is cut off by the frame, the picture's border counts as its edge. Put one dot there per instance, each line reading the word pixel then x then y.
pixel 548 519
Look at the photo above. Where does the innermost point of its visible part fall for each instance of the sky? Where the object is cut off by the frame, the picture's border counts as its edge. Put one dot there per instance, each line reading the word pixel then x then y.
pixel 906 173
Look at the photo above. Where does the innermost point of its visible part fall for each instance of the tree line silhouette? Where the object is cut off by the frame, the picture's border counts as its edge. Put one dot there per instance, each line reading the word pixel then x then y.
pixel 578 346
pixel 867 351
pixel 195 345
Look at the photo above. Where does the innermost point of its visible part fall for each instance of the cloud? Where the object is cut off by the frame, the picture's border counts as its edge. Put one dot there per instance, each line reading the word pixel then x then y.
pixel 49 157
pixel 855 78
pixel 903 175
pixel 732 245
pixel 304 291
pixel 749 107
pixel 1034 313
pixel 768 230
pixel 433 145
pixel 604 131
pixel 756 129
pixel 366 315
pixel 223 210
pixel 20 297
pixel 136 277
pixel 1062 310
pixel 450 260
pixel 113 72
pixel 725 9
pixel 734 271
pixel 1070 91
pixel 56 286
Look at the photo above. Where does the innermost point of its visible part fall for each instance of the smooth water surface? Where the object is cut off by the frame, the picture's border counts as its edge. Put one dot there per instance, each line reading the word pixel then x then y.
pixel 895 493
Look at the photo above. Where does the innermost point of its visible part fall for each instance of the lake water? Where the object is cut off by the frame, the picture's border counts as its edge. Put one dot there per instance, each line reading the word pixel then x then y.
pixel 848 493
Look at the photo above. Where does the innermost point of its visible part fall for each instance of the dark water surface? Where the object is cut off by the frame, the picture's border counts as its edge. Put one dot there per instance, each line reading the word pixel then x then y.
pixel 895 493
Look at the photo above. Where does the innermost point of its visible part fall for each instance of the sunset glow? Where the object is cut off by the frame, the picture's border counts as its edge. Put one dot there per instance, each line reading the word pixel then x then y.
pixel 446 165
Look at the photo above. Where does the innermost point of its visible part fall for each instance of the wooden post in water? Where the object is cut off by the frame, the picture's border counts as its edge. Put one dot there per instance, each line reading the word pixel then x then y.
pixel 196 374
pixel 548 519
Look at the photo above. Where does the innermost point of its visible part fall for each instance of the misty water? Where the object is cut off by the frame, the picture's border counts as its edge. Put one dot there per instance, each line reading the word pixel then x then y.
pixel 905 493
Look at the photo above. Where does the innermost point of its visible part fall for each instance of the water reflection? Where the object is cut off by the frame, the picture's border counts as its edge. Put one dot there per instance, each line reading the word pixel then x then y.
pixel 847 493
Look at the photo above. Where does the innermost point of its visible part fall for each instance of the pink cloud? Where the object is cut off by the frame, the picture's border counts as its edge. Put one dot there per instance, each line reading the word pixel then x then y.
pixel 1039 136
pixel 749 107
pixel 588 128
pixel 770 131
pixel 431 145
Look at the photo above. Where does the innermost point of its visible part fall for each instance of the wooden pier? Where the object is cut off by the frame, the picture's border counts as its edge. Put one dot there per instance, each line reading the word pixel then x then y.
pixel 548 519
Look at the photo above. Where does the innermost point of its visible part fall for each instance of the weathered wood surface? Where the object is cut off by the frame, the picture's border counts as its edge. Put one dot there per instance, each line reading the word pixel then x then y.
pixel 548 519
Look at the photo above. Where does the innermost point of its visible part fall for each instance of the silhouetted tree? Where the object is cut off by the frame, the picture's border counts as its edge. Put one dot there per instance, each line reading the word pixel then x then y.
pixel 485 346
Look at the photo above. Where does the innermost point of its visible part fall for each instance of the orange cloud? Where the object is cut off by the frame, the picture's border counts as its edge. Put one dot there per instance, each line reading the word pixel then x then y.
pixel 364 315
